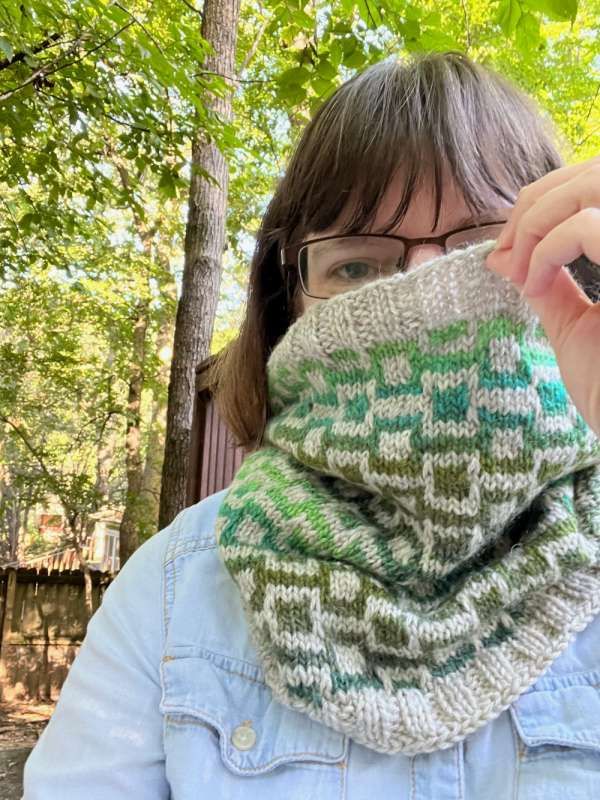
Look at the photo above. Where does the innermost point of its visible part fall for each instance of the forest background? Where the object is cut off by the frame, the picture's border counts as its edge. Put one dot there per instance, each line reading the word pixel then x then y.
pixel 140 145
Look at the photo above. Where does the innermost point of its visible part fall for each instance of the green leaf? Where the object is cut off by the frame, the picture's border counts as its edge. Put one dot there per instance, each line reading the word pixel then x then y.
pixel 297 76
pixel 436 40
pixel 336 52
pixel 342 26
pixel 78 137
pixel 6 48
pixel 326 70
pixel 27 220
pixel 509 13
pixel 414 13
pixel 355 59
pixel 302 19
pixel 115 13
pixel 292 94
pixel 322 86
pixel 555 9
pixel 167 185
pixel 434 19
pixel 369 12
pixel 349 44
pixel 527 35
pixel 410 29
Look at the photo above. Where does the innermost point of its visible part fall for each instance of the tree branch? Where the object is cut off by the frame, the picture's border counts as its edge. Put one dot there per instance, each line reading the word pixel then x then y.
pixel 252 52
pixel 46 70
pixel 51 41
pixel 467 25
pixel 64 102
pixel 233 78
pixel 143 27
pixel 191 7
pixel 593 103
pixel 25 439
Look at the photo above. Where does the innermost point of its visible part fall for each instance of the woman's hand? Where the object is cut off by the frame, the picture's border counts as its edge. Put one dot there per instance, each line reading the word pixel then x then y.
pixel 555 220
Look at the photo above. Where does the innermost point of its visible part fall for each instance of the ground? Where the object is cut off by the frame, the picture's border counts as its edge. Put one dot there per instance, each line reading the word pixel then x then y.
pixel 20 726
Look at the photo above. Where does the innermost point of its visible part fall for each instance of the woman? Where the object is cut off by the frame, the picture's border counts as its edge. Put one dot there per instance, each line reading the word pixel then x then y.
pixel 400 589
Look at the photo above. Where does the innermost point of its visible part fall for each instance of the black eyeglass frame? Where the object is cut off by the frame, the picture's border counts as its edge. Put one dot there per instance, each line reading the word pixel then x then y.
pixel 287 265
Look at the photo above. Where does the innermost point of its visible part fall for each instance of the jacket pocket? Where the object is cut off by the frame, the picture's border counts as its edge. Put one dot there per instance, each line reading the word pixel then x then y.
pixel 251 734
pixel 557 731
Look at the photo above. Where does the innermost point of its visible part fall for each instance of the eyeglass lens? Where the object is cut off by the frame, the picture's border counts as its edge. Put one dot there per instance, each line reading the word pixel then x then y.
pixel 337 265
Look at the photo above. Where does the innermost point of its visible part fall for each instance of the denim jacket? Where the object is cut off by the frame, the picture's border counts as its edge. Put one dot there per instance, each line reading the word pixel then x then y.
pixel 167 699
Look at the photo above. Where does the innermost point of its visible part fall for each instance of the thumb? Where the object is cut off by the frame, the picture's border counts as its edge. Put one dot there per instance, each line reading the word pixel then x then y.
pixel 499 261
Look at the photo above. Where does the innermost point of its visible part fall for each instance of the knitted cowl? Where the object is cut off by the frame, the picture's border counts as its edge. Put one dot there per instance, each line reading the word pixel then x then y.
pixel 419 536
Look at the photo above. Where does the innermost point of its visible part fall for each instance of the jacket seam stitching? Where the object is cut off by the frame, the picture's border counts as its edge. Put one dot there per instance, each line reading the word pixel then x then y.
pixel 553 678
pixel 459 755
pixel 517 755
pixel 240 675
pixel 169 575
pixel 224 737
pixel 556 740
pixel 233 671
pixel 190 546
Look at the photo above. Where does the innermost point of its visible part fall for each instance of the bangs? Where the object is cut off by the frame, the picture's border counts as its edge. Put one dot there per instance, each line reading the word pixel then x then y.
pixel 438 115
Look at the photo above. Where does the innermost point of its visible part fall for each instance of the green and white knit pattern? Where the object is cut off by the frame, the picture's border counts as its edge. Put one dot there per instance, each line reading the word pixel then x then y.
pixel 419 537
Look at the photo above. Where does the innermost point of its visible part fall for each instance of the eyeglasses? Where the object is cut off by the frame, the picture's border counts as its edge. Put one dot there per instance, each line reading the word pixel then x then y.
pixel 331 265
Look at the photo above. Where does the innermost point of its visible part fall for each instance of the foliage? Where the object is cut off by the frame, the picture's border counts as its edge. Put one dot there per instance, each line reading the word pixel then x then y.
pixel 76 74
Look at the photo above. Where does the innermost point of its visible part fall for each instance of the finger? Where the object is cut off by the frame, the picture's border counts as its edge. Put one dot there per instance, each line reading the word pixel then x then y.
pixel 530 194
pixel 500 262
pixel 553 208
pixel 577 235
pixel 560 307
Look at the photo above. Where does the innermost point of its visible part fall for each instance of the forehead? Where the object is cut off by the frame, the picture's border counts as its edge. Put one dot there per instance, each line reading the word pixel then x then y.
pixel 420 215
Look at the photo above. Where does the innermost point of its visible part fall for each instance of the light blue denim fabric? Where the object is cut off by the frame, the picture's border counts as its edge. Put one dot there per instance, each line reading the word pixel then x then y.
pixel 166 677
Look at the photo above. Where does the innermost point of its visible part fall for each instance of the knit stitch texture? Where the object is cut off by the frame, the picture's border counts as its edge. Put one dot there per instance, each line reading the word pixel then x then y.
pixel 418 538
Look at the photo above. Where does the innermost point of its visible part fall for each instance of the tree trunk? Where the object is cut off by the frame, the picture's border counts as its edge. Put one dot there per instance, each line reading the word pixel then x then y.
pixel 14 507
pixel 106 440
pixel 80 537
pixel 153 466
pixel 156 436
pixel 204 245
pixel 129 528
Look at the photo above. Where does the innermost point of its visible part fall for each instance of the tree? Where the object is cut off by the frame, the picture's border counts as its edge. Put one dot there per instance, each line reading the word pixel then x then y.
pixel 204 245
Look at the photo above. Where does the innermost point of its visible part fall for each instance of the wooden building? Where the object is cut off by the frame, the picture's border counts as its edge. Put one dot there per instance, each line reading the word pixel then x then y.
pixel 214 456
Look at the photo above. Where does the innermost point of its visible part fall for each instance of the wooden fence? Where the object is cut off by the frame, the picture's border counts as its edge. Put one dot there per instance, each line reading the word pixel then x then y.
pixel 42 624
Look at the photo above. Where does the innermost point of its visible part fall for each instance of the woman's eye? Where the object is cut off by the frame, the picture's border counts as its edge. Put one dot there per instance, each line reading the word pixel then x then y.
pixel 355 270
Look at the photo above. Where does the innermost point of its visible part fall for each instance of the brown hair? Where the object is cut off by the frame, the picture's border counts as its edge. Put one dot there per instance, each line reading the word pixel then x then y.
pixel 431 113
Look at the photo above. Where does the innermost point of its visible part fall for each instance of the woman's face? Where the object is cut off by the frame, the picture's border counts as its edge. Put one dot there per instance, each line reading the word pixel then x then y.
pixel 454 213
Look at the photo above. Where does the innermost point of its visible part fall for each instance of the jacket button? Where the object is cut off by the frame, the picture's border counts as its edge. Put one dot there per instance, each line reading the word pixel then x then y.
pixel 243 737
